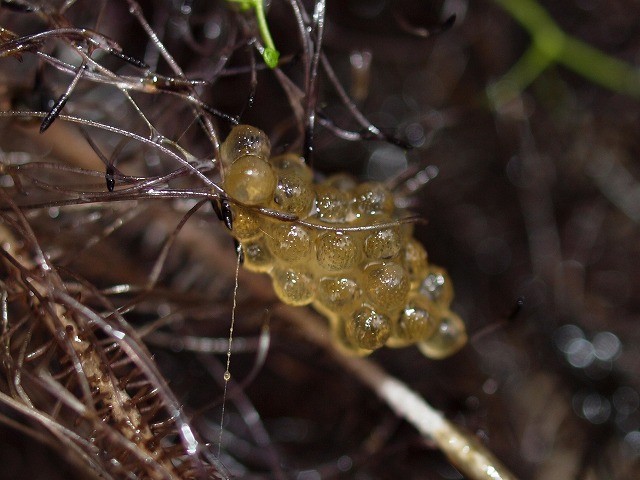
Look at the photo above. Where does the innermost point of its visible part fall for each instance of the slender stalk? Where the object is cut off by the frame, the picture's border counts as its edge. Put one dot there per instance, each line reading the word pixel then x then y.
pixel 463 450
pixel 551 45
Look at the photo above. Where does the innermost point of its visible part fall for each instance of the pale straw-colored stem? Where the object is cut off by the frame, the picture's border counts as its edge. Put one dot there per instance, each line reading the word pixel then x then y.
pixel 464 451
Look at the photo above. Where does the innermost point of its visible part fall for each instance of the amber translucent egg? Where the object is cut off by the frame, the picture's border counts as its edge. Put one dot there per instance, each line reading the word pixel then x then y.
pixel 332 204
pixel 336 251
pixel 448 338
pixel 246 224
pixel 383 244
pixel 291 164
pixel 419 320
pixel 338 294
pixel 250 180
pixel 289 242
pixel 294 194
pixel 245 140
pixel 257 256
pixel 342 339
pixel 368 329
pixel 436 286
pixel 294 286
pixel 387 285
pixel 415 262
pixel 372 198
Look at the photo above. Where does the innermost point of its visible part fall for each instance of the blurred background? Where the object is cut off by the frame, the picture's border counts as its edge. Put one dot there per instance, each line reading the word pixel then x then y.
pixel 523 116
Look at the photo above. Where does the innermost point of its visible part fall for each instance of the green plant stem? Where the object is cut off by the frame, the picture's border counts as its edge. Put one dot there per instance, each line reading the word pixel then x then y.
pixel 522 74
pixel 262 25
pixel 270 54
pixel 601 68
pixel 550 45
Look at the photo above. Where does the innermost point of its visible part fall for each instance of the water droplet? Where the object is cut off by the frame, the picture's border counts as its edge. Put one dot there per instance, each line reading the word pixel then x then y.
pixel 490 386
pixel 564 335
pixel 344 463
pixel 580 353
pixel 308 475
pixel 632 439
pixel 596 408
pixel 227 376
pixel 606 345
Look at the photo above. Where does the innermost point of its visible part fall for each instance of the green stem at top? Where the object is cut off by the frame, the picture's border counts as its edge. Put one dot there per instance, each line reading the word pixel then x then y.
pixel 270 54
pixel 551 45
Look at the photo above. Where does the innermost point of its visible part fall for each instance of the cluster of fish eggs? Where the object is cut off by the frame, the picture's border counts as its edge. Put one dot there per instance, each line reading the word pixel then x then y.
pixel 347 253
